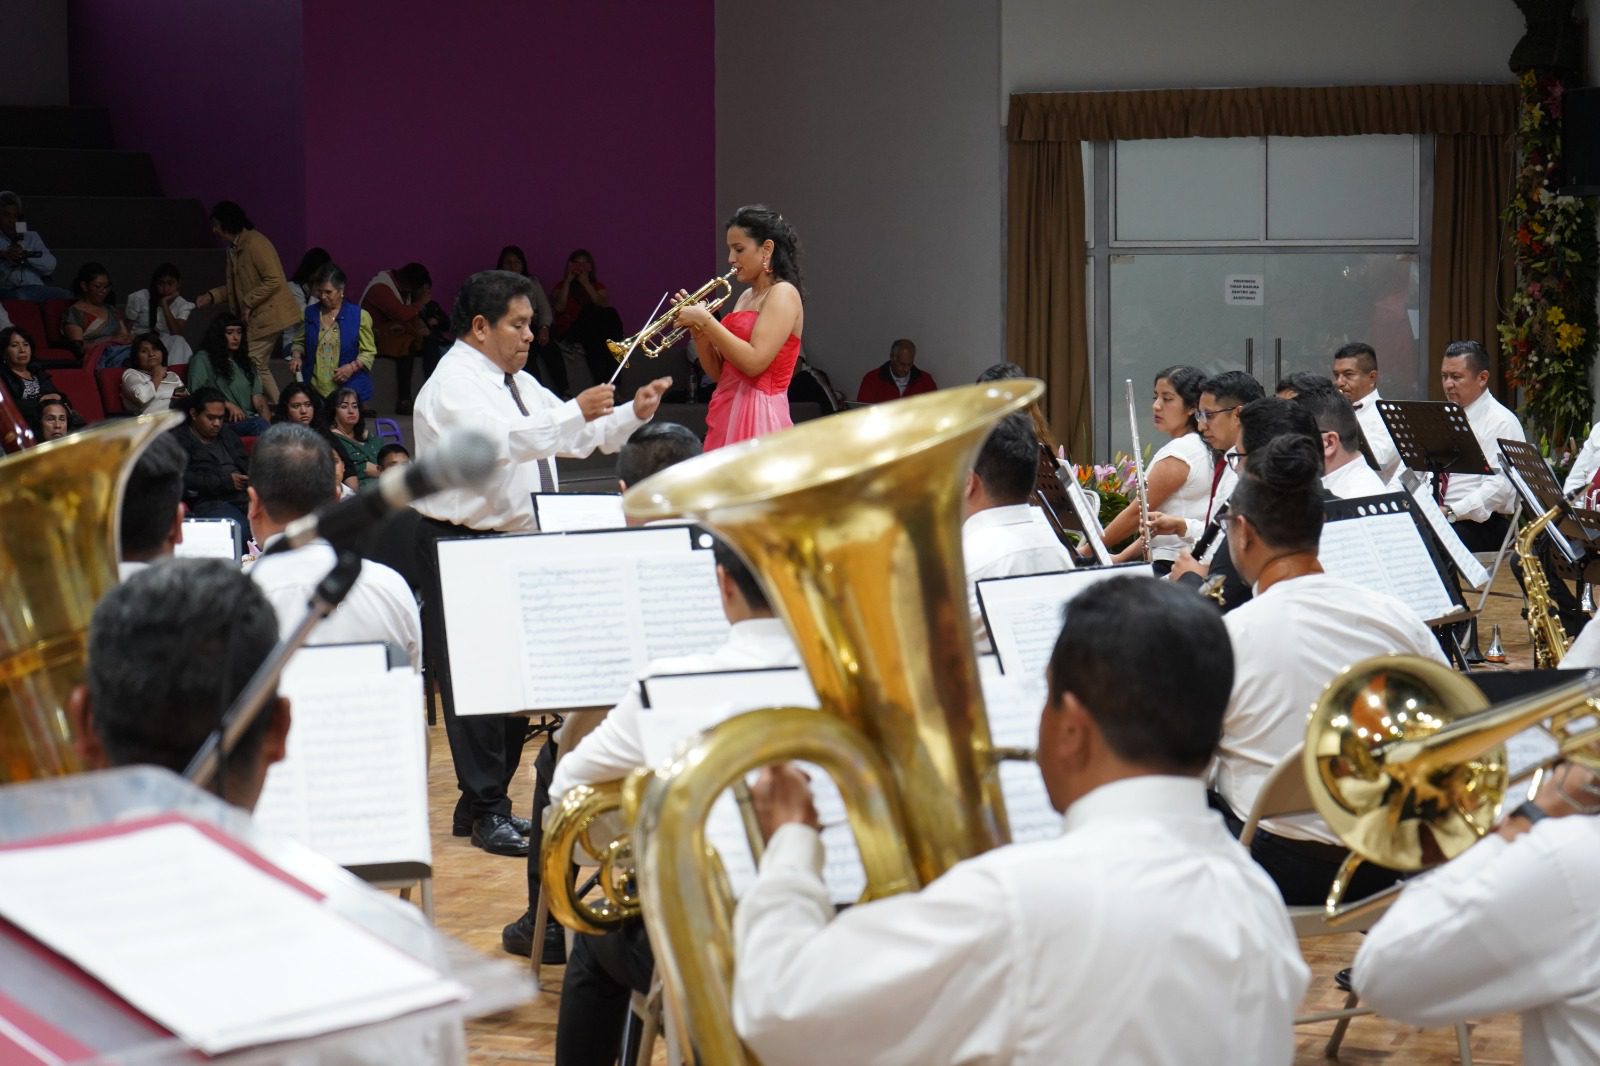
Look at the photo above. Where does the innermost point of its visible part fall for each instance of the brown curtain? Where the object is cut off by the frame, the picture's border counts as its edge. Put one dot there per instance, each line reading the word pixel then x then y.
pixel 1046 317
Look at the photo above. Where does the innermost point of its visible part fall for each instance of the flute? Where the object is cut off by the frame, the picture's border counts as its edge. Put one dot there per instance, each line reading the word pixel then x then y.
pixel 1138 473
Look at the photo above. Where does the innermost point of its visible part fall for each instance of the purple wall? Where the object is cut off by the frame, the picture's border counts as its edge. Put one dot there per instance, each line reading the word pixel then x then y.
pixel 214 98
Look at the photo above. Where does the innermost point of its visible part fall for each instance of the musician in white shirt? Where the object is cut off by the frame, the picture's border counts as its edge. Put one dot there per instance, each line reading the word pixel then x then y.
pixel 1584 465
pixel 1506 926
pixel 1345 472
pixel 1000 534
pixel 1479 505
pixel 1355 374
pixel 480 383
pixel 1141 932
pixel 291 475
pixel 1299 630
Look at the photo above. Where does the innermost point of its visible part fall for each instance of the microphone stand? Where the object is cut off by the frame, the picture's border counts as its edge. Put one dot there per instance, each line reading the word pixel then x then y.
pixel 248 705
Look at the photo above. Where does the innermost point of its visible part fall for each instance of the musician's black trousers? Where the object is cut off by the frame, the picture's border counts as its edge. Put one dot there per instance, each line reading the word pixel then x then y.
pixel 1303 870
pixel 485 748
pixel 544 769
pixel 602 975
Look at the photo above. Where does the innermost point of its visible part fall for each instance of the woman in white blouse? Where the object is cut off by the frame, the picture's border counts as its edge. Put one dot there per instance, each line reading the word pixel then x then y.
pixel 148 386
pixel 172 312
pixel 1178 477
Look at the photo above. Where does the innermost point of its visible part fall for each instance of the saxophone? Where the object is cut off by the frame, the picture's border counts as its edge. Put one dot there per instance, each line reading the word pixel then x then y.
pixel 1544 625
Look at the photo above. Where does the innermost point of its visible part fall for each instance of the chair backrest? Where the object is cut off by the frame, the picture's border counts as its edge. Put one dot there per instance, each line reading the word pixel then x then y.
pixel 25 315
pixel 51 311
pixel 111 390
pixel 182 370
pixel 389 430
pixel 78 385
pixel 1284 792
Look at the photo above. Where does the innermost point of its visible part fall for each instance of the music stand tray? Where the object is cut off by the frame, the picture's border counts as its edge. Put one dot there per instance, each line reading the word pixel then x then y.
pixel 1434 437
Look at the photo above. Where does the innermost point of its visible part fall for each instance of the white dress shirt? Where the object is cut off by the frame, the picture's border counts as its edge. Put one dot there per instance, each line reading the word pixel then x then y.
pixel 1195 528
pixel 1288 643
pixel 1192 498
pixel 144 396
pixel 1007 542
pixel 1585 651
pixel 1143 934
pixel 1474 497
pixel 380 605
pixel 1376 432
pixel 1354 480
pixel 1585 463
pixel 1506 926
pixel 614 747
pixel 467 390
pixel 138 311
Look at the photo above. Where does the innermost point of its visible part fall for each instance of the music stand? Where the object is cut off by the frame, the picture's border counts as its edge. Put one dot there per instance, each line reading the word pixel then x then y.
pixel 1434 438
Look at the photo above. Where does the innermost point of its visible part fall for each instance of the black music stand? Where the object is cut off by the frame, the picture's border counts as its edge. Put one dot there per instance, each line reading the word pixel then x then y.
pixel 1050 496
pixel 1434 438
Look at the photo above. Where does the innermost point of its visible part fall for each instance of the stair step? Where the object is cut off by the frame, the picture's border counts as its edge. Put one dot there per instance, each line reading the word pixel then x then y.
pixel 77 172
pixel 119 222
pixel 56 127
pixel 130 268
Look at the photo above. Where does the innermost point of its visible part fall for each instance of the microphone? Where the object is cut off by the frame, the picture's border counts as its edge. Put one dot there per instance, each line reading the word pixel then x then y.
pixel 464 459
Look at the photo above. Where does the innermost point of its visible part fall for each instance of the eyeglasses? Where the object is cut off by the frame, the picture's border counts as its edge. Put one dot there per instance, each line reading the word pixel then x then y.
pixel 1202 415
pixel 1234 460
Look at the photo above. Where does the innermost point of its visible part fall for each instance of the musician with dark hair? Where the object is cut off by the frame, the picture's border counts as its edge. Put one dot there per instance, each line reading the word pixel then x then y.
pixel 1355 375
pixel 1003 958
pixel 1345 472
pixel 151 524
pixel 1479 505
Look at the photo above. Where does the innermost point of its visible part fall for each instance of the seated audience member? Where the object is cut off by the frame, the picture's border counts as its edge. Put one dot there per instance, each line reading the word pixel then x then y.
pixel 1346 473
pixel 253 288
pixel 224 364
pixel 92 319
pixel 811 384
pixel 343 421
pixel 1479 505
pixel 651 448
pixel 397 301
pixel 392 455
pixel 152 505
pixel 339 336
pixel 25 263
pixel 1302 627
pixel 1143 883
pixel 292 475
pixel 545 361
pixel 172 312
pixel 215 482
pixel 604 971
pixel 297 404
pixel 1002 534
pixel 148 386
pixel 55 419
pixel 896 378
pixel 1520 897
pixel 28 383
pixel 1355 374
pixel 584 318
pixel 1300 381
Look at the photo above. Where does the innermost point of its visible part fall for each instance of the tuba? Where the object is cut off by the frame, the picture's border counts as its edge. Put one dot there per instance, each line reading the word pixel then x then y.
pixel 1405 759
pixel 58 556
pixel 852 524
pixel 1550 641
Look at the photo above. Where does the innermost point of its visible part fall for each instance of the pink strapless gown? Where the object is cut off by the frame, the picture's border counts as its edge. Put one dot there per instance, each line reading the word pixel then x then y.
pixel 745 407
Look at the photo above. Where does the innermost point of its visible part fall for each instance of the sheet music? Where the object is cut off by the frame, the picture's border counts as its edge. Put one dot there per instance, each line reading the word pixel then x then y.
pixel 1527 749
pixel 1024 614
pixel 223 954
pixel 1467 563
pixel 564 512
pixel 208 538
pixel 1384 551
pixel 1088 510
pixel 1014 702
pixel 354 785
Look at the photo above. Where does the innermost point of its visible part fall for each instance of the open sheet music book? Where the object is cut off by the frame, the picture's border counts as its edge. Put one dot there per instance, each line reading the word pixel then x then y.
pixel 567 512
pixel 1444 534
pixel 354 785
pixel 558 621
pixel 1024 614
pixel 1377 543
pixel 683 705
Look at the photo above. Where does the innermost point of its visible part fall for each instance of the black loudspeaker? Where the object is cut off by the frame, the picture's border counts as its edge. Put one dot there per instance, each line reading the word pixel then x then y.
pixel 1580 144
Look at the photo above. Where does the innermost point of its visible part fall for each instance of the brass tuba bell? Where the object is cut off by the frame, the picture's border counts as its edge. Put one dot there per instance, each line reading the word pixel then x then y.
pixel 58 555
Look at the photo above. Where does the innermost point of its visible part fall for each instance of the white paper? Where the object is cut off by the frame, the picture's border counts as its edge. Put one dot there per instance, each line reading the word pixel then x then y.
pixel 213 949
pixel 1243 290
pixel 1467 563
pixel 564 512
pixel 354 785
pixel 1088 510
pixel 208 538
pixel 1384 551
pixel 1025 613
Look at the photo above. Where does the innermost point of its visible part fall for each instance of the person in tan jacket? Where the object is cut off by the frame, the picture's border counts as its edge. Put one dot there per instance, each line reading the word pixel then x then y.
pixel 254 288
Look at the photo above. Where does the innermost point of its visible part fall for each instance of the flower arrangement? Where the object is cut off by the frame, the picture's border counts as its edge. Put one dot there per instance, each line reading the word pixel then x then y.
pixel 1113 483
pixel 1549 333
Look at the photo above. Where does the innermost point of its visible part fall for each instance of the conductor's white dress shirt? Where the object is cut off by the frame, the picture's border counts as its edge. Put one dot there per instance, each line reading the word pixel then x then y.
pixel 467 390
pixel 1354 480
pixel 1506 926
pixel 380 606
pixel 1377 435
pixel 1288 643
pixel 1007 542
pixel 1143 934
pixel 614 748
pixel 1474 497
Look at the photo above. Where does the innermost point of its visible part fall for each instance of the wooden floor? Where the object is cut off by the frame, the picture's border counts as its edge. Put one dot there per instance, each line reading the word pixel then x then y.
pixel 476 894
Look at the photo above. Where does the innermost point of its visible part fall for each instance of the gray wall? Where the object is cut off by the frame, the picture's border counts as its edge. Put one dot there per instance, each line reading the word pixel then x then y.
pixel 35 68
pixel 877 128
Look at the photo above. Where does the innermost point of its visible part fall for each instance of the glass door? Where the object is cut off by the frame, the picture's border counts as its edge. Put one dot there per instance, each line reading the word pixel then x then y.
pixel 1318 302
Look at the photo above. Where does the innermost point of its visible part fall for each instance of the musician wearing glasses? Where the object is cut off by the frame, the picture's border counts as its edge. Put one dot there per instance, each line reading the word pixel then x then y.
pixel 1006 957
pixel 1506 926
pixel 1217 416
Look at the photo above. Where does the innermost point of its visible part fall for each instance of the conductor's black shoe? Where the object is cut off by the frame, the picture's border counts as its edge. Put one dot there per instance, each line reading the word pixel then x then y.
pixel 521 825
pixel 495 834
pixel 1342 979
pixel 517 938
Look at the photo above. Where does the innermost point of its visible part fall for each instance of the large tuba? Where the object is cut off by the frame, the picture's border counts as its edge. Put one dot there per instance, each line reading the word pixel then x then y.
pixel 59 505
pixel 1405 759
pixel 852 523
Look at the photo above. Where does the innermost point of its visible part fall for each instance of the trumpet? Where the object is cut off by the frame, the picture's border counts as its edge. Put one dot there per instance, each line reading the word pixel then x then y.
pixel 660 335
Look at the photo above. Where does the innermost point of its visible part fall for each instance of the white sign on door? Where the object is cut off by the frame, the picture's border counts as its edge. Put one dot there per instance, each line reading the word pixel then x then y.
pixel 1242 290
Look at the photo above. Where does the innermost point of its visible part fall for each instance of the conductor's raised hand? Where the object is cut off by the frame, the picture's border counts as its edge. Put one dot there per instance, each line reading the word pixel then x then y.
pixel 781 795
pixel 648 398
pixel 596 402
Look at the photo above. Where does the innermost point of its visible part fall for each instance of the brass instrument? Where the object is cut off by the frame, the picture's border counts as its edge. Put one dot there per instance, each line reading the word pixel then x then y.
pixel 1405 759
pixel 588 818
pixel 659 335
pixel 58 555
pixel 852 523
pixel 1549 636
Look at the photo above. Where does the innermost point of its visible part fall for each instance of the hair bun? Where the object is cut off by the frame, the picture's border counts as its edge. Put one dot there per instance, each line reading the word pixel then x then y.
pixel 1287 463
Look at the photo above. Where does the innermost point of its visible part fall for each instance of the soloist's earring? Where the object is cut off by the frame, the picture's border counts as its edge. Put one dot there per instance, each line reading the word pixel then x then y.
pixel 766 265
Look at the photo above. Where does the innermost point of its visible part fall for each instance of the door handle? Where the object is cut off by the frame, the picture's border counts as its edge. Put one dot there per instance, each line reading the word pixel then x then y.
pixel 1277 360
pixel 1250 356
